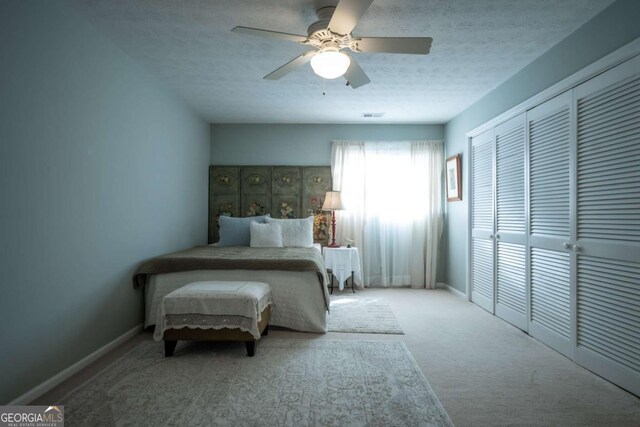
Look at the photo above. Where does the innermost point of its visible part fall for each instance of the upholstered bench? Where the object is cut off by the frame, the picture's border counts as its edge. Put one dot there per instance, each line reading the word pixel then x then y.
pixel 214 311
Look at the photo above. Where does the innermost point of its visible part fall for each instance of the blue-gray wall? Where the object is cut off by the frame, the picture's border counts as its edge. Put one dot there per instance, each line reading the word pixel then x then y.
pixel 100 167
pixel 614 27
pixel 304 145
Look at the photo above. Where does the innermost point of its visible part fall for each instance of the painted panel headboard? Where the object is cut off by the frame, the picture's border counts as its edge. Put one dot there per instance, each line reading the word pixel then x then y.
pixel 282 191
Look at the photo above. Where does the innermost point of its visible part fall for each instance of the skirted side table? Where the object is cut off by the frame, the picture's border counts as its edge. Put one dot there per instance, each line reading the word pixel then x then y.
pixel 344 263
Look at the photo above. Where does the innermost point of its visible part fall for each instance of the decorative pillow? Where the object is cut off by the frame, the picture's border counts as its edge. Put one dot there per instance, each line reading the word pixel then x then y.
pixel 236 231
pixel 266 235
pixel 296 233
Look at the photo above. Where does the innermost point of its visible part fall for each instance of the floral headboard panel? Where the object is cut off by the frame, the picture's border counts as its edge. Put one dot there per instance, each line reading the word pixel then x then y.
pixel 282 191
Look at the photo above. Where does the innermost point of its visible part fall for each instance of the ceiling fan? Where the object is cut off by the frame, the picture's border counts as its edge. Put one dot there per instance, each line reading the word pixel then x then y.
pixel 331 35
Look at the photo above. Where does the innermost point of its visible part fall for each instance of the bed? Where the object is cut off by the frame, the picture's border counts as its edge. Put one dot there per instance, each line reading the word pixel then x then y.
pixel 296 275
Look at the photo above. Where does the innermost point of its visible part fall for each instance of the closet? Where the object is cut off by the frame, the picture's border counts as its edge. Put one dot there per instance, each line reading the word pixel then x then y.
pixel 555 222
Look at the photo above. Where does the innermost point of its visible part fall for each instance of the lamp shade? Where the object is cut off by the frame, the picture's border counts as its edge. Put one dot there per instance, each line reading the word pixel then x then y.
pixel 330 64
pixel 332 201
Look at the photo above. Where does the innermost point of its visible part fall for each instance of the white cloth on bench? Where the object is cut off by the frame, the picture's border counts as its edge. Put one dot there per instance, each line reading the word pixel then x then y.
pixel 214 305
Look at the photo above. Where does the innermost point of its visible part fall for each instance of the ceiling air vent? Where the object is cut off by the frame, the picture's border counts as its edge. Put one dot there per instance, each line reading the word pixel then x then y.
pixel 372 115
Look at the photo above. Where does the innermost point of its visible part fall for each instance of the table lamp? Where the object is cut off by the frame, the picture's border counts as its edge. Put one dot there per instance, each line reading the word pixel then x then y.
pixel 332 203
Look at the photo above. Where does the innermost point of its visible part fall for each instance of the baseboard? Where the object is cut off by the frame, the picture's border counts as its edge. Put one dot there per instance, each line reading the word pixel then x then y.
pixel 451 289
pixel 58 378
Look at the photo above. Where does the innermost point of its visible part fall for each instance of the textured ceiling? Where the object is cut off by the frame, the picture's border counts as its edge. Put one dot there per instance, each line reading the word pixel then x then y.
pixel 477 45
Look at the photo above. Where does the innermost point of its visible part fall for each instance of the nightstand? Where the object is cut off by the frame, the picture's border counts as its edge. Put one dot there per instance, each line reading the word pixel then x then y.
pixel 344 263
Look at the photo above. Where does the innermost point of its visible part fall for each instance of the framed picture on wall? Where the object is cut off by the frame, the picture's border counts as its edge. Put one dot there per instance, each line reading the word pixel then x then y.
pixel 454 178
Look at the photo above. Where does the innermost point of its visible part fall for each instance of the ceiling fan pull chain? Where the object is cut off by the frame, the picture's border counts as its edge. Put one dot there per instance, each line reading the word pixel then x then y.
pixel 324 87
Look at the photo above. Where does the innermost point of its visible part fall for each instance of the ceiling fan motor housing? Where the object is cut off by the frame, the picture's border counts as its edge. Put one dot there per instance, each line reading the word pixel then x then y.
pixel 324 16
pixel 322 38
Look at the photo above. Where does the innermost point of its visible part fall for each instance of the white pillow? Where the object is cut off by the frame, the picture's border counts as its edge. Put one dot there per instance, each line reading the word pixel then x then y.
pixel 266 235
pixel 296 233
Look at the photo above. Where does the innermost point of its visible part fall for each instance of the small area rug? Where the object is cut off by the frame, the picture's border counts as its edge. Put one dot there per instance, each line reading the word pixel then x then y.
pixel 289 382
pixel 354 313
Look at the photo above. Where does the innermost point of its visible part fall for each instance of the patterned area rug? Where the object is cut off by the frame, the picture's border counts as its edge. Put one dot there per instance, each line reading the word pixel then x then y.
pixel 287 383
pixel 354 313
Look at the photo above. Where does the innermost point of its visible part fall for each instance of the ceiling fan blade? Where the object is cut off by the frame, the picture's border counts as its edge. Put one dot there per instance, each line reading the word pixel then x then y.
pixel 291 65
pixel 272 34
pixel 415 45
pixel 347 14
pixel 355 75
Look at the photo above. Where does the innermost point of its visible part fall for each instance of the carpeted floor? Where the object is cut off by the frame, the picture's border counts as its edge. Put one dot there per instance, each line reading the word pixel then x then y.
pixel 484 371
pixel 361 314
pixel 287 383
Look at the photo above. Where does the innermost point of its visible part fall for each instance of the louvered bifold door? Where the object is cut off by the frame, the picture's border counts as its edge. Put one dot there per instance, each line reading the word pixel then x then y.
pixel 482 203
pixel 550 137
pixel 608 225
pixel 511 292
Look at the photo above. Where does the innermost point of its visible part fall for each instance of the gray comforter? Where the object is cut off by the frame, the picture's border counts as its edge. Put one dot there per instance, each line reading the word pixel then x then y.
pixel 235 258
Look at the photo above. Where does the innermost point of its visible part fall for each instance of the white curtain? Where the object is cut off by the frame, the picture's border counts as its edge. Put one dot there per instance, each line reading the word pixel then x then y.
pixel 392 194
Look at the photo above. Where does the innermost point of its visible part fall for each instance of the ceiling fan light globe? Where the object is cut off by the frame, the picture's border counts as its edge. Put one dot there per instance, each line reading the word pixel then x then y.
pixel 330 64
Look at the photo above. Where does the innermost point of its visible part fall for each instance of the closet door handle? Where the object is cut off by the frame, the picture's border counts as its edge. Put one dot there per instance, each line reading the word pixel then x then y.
pixel 577 248
pixel 497 237
pixel 566 245
pixel 491 236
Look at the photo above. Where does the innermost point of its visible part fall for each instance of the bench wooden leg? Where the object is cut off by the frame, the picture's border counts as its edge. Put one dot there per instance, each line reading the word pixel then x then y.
pixel 251 348
pixel 169 347
pixel 266 331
